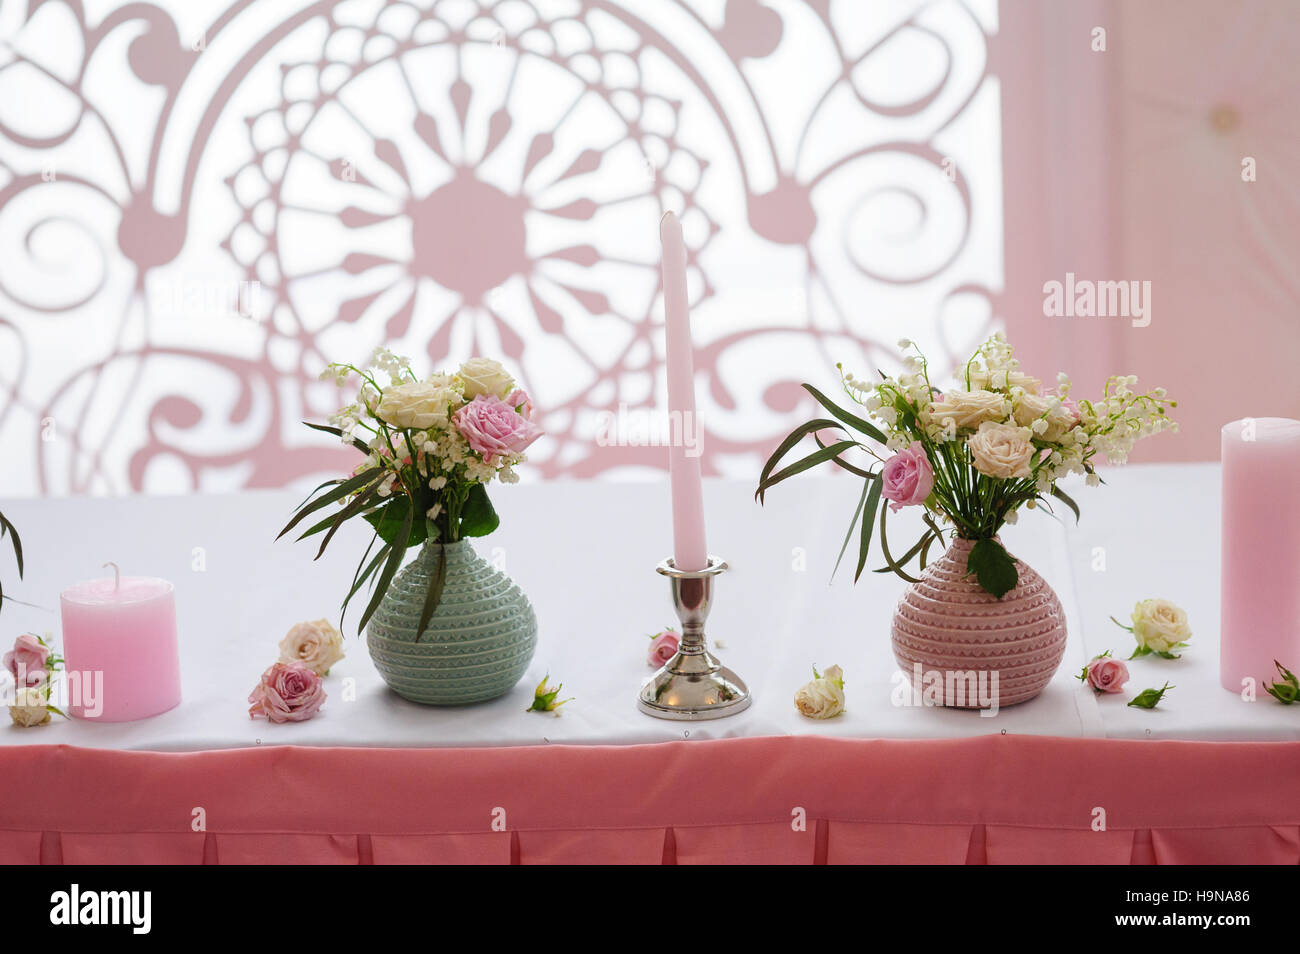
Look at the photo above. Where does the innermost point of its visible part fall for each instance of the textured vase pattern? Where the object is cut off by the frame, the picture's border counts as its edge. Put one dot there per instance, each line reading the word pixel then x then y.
pixel 948 623
pixel 478 643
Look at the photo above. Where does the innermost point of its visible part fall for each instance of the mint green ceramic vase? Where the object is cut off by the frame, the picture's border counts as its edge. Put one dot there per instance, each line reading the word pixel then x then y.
pixel 478 643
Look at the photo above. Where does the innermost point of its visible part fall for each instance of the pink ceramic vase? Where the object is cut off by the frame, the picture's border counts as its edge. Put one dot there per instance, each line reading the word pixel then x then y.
pixel 951 626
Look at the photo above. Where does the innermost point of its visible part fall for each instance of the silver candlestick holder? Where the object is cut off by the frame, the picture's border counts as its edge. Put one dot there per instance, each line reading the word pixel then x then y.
pixel 693 685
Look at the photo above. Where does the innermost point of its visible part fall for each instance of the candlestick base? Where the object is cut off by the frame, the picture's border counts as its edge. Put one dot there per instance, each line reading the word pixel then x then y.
pixel 693 685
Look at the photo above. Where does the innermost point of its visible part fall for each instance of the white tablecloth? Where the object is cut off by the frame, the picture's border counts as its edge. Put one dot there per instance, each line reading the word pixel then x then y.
pixel 585 553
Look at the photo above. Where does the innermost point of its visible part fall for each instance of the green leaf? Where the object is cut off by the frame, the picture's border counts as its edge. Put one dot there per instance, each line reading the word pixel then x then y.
pixel 1066 499
pixel 1150 698
pixel 884 550
pixel 391 567
pixel 338 493
pixel 848 418
pixel 433 595
pixel 840 461
pixel 1140 651
pixel 390 520
pixel 866 486
pixel 359 580
pixel 337 432
pixel 791 439
pixel 478 518
pixel 807 463
pixel 868 522
pixel 993 567
pixel 7 527
pixel 359 503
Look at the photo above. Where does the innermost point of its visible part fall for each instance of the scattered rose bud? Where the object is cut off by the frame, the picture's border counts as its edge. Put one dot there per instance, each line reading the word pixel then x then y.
pixel 287 692
pixel 1287 689
pixel 823 697
pixel 1104 673
pixel 1159 627
pixel 663 647
pixel 1150 698
pixel 544 697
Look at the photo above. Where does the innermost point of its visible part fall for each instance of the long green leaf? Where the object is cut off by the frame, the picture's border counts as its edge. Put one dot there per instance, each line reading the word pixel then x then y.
pixel 807 463
pixel 884 549
pixel 433 596
pixel 906 558
pixel 338 493
pixel 337 432
pixel 1066 499
pixel 390 569
pixel 856 471
pixel 359 580
pixel 868 521
pixel 848 418
pixel 866 486
pixel 794 437
pixel 359 503
pixel 5 525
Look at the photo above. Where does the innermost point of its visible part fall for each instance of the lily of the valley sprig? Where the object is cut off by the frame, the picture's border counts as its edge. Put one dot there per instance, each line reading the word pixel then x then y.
pixel 970 456
pixel 430 446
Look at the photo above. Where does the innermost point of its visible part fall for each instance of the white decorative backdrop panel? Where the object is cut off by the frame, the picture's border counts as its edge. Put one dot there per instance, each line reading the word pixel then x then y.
pixel 202 203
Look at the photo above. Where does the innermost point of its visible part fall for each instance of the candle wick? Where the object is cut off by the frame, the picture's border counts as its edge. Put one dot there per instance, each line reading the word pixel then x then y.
pixel 117 575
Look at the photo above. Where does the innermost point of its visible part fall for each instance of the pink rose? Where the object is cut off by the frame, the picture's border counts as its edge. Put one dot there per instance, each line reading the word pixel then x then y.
pixel 907 478
pixel 28 655
pixel 663 647
pixel 1106 674
pixel 493 427
pixel 521 402
pixel 287 692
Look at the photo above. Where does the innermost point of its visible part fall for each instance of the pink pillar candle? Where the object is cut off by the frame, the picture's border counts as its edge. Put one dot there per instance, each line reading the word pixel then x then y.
pixel 1260 583
pixel 120 651
pixel 689 549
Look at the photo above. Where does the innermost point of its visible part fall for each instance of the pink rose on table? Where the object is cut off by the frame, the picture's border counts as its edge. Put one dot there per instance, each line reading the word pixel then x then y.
pixel 907 479
pixel 28 655
pixel 663 647
pixel 492 427
pixel 1106 674
pixel 287 692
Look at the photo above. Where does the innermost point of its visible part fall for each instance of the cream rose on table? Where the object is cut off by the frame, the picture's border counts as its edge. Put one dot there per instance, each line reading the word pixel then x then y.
pixel 1159 627
pixel 317 645
pixel 823 696
pixel 30 707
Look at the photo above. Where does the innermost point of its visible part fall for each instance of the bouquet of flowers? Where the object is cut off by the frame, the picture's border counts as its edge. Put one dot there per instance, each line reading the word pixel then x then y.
pixel 431 447
pixel 972 455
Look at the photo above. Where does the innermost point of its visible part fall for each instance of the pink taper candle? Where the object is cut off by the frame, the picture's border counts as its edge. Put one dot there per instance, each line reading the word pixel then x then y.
pixel 119 646
pixel 689 550
pixel 1260 591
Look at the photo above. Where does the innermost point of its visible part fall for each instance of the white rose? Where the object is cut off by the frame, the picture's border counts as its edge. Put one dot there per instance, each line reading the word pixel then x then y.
pixel 968 409
pixel 317 645
pixel 485 376
pixel 1001 450
pixel 1159 625
pixel 1004 381
pixel 822 698
pixel 419 405
pixel 29 708
pixel 1058 419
